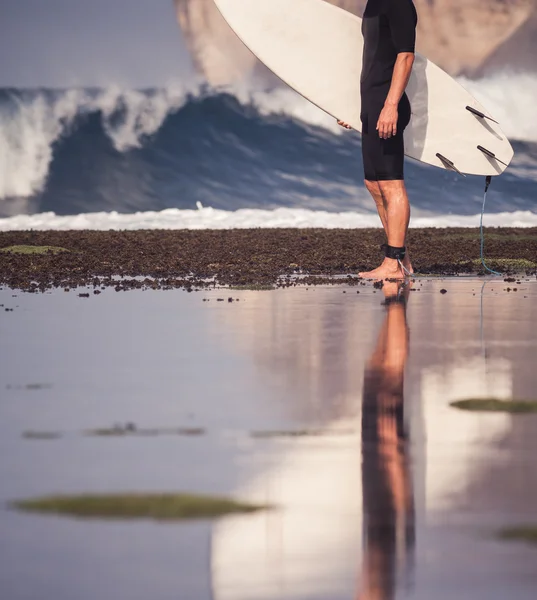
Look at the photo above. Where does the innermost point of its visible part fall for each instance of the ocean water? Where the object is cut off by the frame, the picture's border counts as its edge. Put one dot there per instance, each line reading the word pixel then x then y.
pixel 191 156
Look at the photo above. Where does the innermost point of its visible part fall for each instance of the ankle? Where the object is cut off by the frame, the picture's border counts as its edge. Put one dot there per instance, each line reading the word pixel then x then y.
pixel 391 263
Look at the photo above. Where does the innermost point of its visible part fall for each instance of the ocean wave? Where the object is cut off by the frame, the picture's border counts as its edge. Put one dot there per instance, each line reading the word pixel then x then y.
pixel 211 218
pixel 93 151
pixel 31 122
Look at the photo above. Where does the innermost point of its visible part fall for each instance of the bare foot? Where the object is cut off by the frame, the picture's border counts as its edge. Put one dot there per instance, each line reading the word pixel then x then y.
pixel 389 269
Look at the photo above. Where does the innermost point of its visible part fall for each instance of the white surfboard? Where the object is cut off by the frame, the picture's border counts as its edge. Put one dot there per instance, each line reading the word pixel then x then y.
pixel 316 48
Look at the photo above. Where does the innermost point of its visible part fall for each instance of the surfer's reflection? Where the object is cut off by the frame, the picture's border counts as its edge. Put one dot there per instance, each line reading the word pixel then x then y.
pixel 386 477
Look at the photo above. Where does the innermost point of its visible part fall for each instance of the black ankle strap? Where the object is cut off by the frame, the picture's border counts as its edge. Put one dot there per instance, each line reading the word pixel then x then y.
pixel 393 252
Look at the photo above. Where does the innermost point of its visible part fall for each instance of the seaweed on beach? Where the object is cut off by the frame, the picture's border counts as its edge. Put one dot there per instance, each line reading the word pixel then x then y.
pixel 496 405
pixel 115 431
pixel 159 507
pixel 299 433
pixel 521 533
pixel 132 430
pixel 29 249
pixel 41 435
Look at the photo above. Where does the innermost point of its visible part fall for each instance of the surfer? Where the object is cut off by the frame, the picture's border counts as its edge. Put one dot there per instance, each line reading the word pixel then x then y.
pixel 389 30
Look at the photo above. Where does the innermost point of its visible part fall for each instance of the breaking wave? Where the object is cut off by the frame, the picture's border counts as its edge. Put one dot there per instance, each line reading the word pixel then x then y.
pixel 83 151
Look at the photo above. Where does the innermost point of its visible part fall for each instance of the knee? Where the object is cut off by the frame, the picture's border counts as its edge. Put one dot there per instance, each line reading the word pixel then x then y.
pixel 391 186
pixel 373 187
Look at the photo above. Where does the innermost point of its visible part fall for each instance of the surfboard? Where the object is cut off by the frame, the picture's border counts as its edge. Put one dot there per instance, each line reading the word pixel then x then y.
pixel 316 49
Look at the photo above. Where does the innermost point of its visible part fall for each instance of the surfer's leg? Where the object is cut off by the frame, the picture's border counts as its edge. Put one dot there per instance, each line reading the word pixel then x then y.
pixel 386 158
pixel 374 189
pixel 397 210
pixel 397 216
pixel 369 148
pixel 392 186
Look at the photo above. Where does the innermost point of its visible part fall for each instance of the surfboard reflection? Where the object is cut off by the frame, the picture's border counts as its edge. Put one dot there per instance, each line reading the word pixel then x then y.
pixel 387 490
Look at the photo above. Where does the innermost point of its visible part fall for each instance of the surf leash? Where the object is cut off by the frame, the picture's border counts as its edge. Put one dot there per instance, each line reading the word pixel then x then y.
pixel 482 231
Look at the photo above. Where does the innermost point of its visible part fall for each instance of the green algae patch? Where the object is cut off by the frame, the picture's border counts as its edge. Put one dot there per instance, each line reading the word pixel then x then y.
pixel 23 249
pixel 41 435
pixel 157 507
pixel 297 433
pixel 256 287
pixel 495 405
pixel 507 265
pixel 523 533
pixel 131 430
pixel 128 430
pixel 30 386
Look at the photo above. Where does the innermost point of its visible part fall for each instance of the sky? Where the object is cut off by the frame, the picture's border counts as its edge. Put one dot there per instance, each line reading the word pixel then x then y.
pixel 64 43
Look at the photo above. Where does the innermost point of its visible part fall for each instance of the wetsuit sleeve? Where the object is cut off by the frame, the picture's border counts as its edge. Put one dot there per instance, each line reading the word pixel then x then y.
pixel 402 19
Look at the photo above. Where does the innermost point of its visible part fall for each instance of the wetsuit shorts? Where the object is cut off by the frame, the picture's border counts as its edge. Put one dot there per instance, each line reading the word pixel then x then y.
pixel 383 159
pixel 389 28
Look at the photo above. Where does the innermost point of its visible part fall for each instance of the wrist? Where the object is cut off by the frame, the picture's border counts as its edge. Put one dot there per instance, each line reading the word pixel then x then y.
pixel 390 102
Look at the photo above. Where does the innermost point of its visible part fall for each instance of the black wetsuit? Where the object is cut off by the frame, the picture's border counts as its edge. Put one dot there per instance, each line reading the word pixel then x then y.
pixel 389 27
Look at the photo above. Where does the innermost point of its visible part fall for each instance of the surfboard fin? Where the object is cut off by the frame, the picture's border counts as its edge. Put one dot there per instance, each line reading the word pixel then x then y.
pixel 491 155
pixel 481 115
pixel 449 164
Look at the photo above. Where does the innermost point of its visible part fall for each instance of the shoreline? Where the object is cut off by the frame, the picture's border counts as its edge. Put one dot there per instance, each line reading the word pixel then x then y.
pixel 164 259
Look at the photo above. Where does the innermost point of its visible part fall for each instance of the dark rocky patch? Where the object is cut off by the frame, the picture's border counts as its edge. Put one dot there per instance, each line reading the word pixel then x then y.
pixel 260 258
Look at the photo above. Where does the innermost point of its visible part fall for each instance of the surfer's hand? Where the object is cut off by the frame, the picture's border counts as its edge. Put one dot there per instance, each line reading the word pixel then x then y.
pixel 343 124
pixel 387 123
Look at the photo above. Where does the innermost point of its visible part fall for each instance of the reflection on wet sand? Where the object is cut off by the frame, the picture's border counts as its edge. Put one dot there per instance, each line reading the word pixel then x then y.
pixel 331 360
pixel 309 546
pixel 286 360
pixel 387 486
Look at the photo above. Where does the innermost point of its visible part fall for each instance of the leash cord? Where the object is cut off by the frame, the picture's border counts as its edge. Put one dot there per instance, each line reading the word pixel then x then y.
pixel 482 231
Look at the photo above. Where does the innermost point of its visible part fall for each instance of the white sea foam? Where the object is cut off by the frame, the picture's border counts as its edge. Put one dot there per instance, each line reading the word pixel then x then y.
pixel 210 218
pixel 510 98
pixel 285 101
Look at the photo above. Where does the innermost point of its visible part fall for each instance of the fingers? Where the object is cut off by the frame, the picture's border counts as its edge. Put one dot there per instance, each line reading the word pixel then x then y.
pixel 386 129
pixel 381 129
pixel 387 122
pixel 344 125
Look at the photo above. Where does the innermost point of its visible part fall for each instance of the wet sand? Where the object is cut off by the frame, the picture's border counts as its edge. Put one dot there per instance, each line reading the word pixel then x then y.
pixel 183 259
pixel 321 401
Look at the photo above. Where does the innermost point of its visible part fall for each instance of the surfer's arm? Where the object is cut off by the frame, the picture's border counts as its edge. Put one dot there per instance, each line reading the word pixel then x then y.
pixel 387 123
pixel 401 75
pixel 401 17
